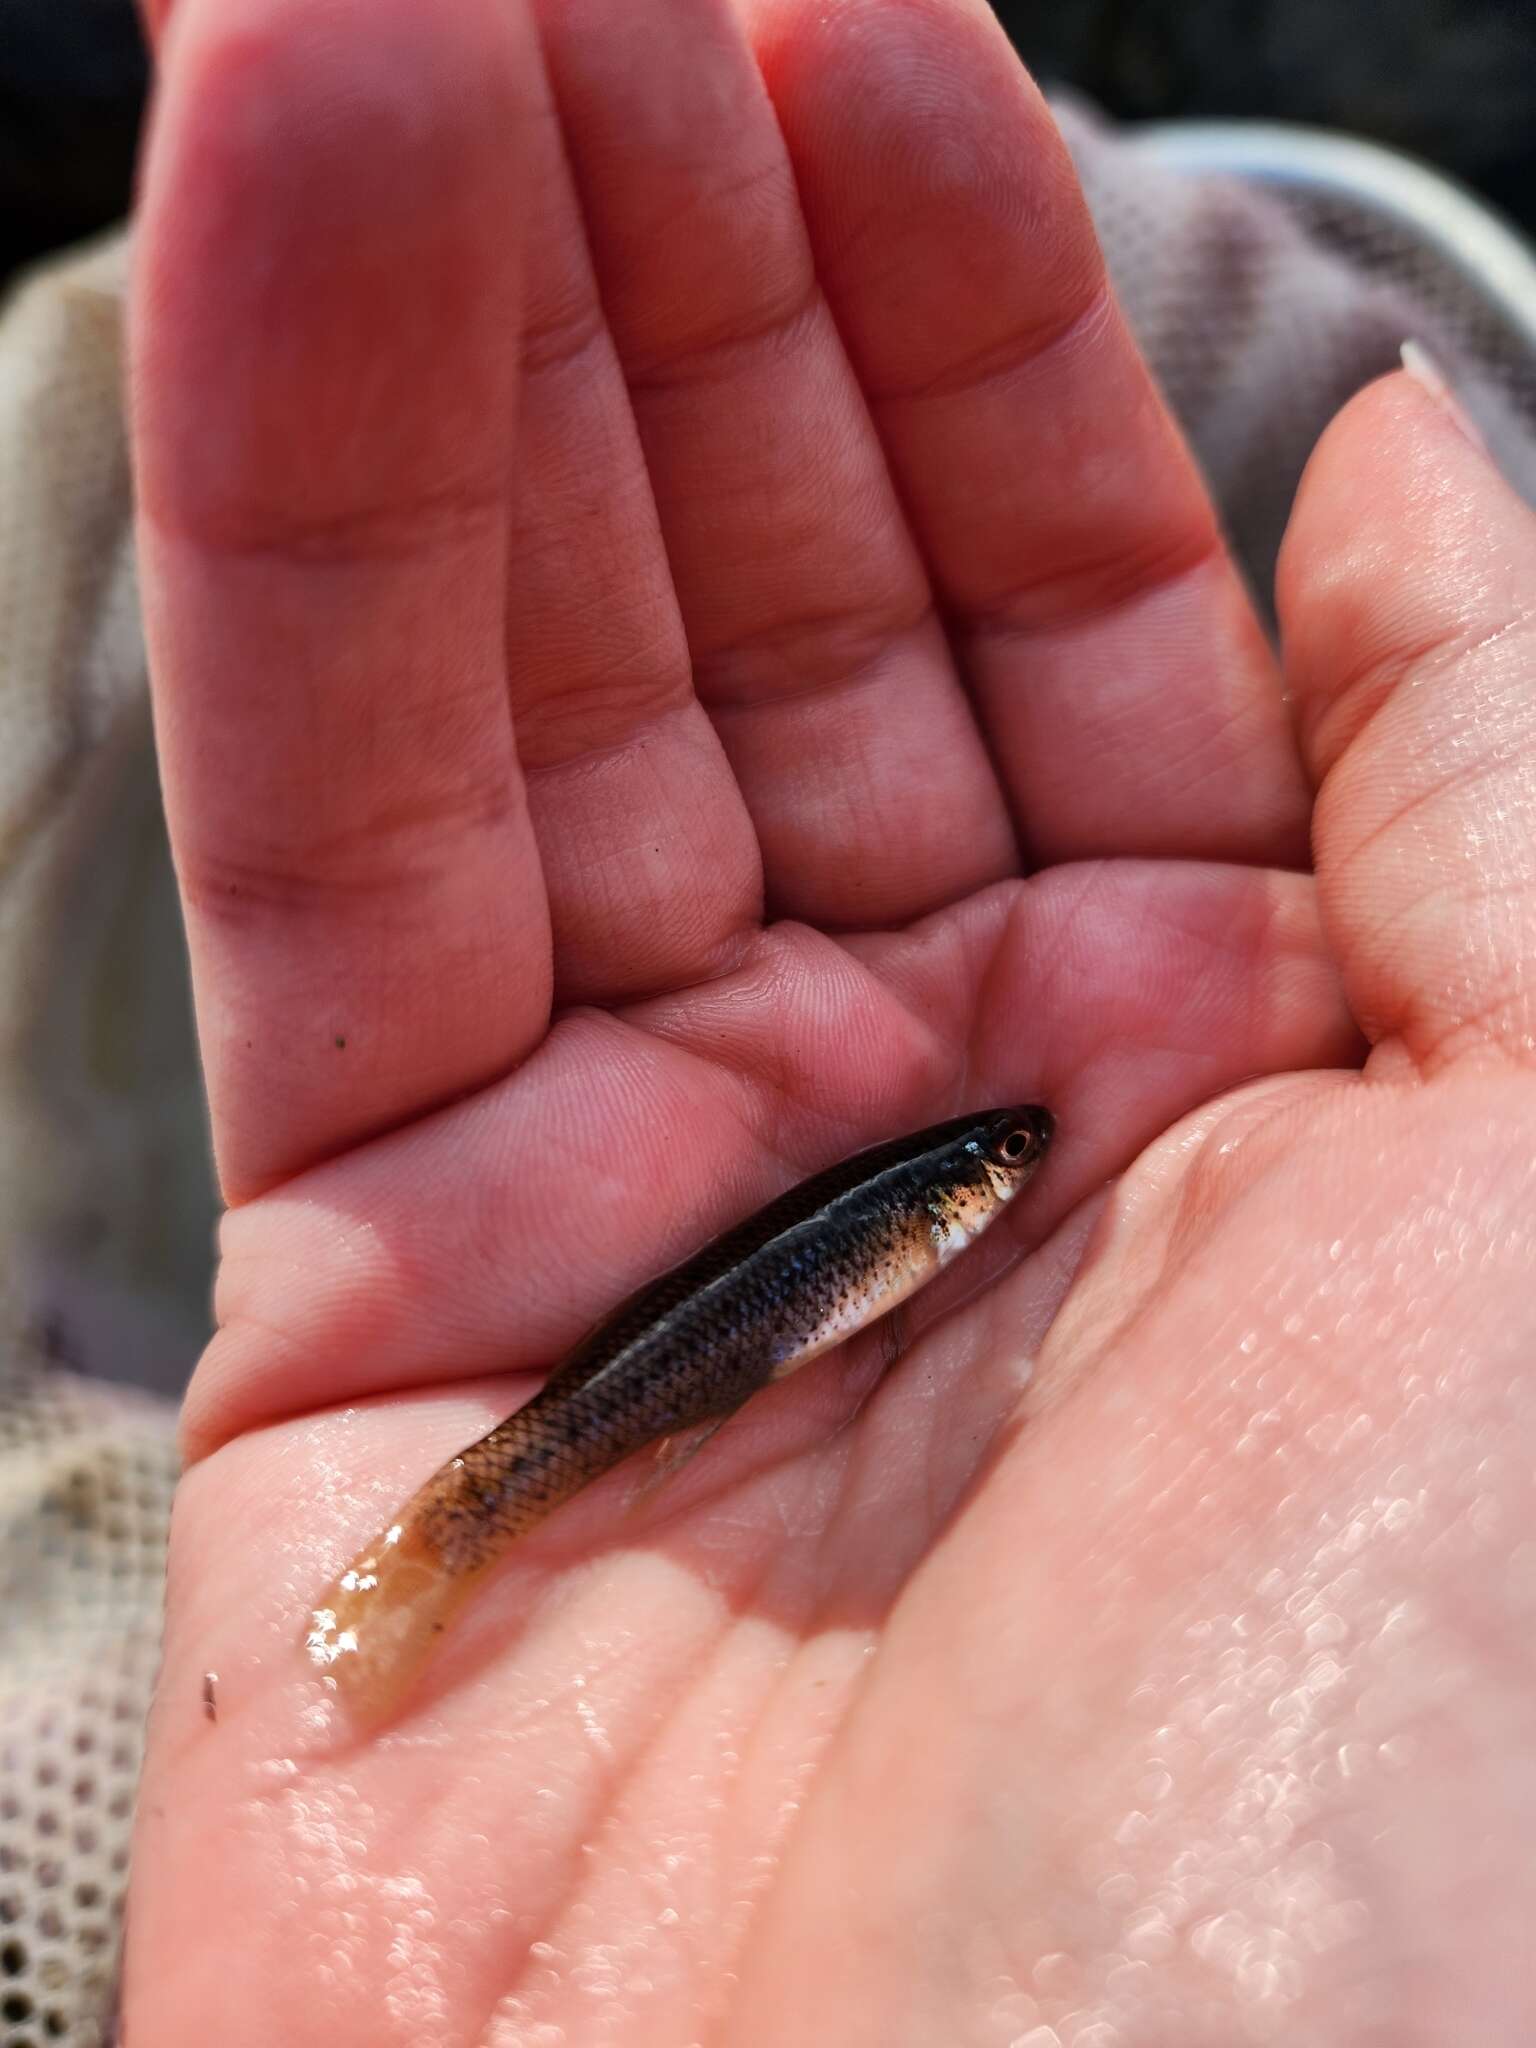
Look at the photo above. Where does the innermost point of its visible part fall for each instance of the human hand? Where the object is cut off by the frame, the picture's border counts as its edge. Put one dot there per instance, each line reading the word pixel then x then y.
pixel 892 735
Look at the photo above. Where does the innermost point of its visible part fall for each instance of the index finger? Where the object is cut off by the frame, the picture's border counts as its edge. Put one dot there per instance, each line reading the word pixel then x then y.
pixel 326 305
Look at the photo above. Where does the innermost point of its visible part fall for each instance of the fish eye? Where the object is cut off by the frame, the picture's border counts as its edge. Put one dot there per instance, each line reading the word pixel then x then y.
pixel 1017 1145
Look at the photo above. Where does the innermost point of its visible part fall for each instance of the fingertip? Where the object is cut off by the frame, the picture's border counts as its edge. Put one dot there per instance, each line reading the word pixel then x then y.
pixel 928 97
pixel 1398 442
pixel 1403 536
pixel 328 225
pixel 1426 372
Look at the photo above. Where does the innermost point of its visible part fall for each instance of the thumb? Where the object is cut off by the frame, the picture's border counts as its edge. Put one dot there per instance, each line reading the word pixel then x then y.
pixel 1407 590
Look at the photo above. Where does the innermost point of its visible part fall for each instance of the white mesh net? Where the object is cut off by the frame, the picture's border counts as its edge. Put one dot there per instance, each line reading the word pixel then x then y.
pixel 105 1204
pixel 86 1475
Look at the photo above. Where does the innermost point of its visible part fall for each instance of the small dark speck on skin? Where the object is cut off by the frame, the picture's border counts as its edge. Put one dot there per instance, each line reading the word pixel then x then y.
pixel 210 1701
pixel 341 1045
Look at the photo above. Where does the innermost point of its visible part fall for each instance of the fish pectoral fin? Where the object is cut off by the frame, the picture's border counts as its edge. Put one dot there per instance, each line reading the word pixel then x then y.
pixel 893 1335
pixel 670 1455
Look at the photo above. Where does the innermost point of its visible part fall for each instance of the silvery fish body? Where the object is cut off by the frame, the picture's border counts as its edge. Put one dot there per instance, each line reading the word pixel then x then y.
pixel 824 1260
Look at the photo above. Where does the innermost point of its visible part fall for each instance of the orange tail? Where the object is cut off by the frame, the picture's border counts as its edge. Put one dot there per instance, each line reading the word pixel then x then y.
pixel 376 1626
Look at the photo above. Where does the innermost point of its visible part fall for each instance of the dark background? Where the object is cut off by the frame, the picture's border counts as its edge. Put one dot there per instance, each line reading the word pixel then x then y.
pixel 1453 81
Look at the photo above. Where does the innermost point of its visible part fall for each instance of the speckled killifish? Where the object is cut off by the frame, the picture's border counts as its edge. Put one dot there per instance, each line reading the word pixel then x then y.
pixel 821 1262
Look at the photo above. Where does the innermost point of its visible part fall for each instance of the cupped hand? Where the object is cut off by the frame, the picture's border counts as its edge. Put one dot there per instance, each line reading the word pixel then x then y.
pixel 685 642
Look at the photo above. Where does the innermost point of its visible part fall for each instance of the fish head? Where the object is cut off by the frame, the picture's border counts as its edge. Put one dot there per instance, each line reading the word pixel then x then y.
pixel 982 1170
pixel 1012 1142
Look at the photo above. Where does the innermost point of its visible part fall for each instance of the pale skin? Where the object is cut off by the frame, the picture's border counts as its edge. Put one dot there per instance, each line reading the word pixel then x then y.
pixel 684 642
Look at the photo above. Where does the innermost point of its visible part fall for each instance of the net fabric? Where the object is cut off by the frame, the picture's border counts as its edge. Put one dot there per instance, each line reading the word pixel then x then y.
pixel 1263 310
pixel 105 1200
pixel 1476 328
pixel 1260 312
pixel 86 1474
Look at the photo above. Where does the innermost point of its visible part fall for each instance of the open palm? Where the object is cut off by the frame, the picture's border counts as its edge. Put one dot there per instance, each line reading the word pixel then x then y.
pixel 685 643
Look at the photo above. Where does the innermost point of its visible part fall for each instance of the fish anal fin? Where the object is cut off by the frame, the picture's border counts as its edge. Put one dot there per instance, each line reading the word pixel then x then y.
pixel 894 1334
pixel 668 1457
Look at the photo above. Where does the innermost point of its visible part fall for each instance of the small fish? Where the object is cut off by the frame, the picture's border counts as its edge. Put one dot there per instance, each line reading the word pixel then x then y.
pixel 822 1261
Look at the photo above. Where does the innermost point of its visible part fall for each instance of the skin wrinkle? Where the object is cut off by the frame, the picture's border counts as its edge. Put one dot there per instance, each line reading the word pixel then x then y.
pixel 769 1104
pixel 1161 1261
pixel 1016 354
pixel 452 516
pixel 1379 944
pixel 606 704
pixel 606 1793
pixel 1148 580
pixel 313 879
pixel 1414 670
pixel 622 1775
pixel 1488 769
pixel 821 654
pixel 991 967
pixel 837 1446
pixel 850 1508
pixel 633 749
pixel 774 331
pixel 826 470
pixel 604 697
pixel 715 955
pixel 1382 947
pixel 766 269
pixel 1092 590
pixel 560 341
pixel 1197 770
pixel 1330 730
pixel 772 176
pixel 1470 1043
pixel 784 1084
pixel 1331 725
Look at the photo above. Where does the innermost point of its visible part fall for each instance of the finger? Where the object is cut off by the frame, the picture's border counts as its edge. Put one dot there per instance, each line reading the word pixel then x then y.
pixel 1406 598
pixel 327 278
pixel 1129 697
pixel 489 1238
pixel 808 615
pixel 650 857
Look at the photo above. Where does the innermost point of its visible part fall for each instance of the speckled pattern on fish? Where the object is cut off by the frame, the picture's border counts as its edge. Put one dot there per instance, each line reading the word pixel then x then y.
pixel 805 1273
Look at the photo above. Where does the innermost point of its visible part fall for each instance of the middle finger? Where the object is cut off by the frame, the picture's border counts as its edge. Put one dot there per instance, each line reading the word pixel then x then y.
pixel 809 618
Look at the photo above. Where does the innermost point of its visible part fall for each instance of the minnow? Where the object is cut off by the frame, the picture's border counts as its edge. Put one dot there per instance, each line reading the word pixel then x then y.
pixel 805 1273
